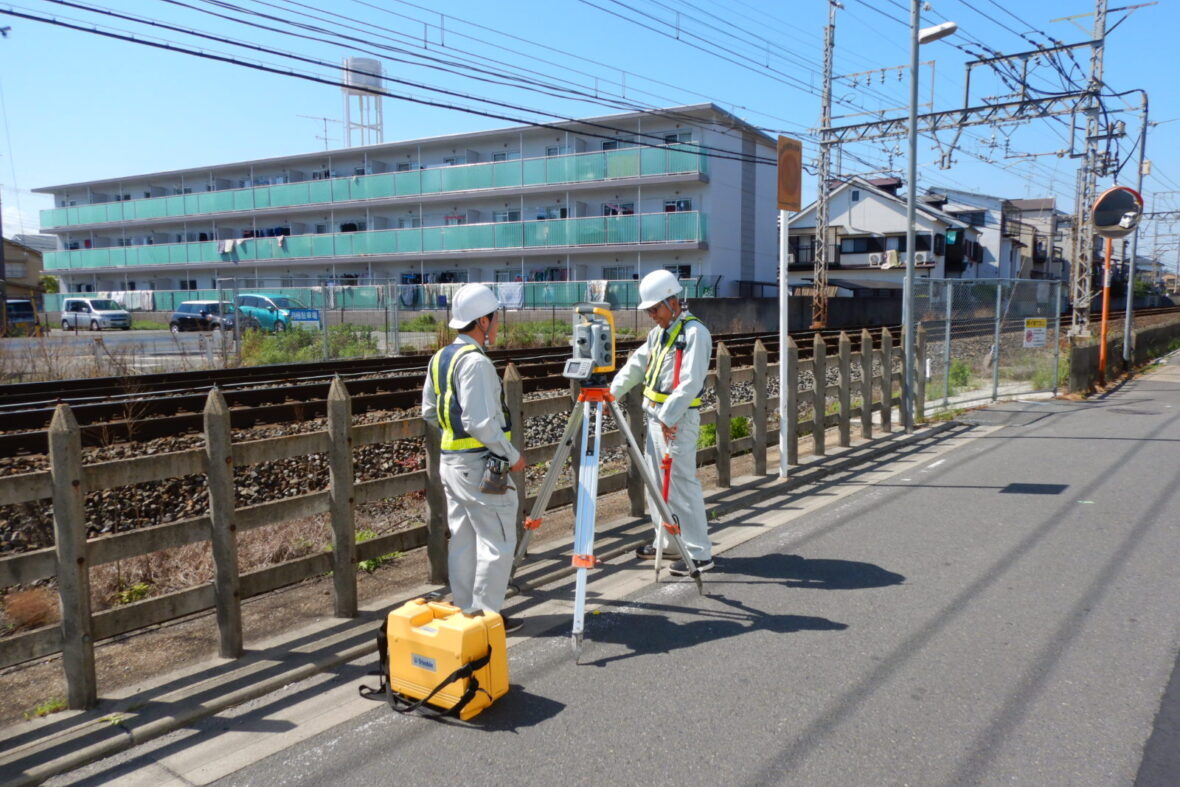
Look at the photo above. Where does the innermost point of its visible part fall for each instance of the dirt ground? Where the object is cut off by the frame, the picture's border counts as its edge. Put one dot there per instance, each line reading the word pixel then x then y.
pixel 136 657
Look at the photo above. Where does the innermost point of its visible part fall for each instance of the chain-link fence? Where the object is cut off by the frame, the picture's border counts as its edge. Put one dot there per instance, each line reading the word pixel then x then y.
pixel 991 338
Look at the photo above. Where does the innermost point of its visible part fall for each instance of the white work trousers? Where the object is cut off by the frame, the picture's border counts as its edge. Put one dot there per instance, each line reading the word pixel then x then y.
pixel 685 497
pixel 483 535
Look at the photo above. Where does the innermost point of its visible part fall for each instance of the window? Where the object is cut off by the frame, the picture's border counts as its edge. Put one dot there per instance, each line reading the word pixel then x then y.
pixel 553 150
pixel 359 171
pixel 505 155
pixel 861 245
pixel 921 242
pixel 618 208
pixel 673 137
pixel 188 284
pixel 14 270
pixel 506 215
pixel 404 166
pixel 856 195
pixel 975 218
pixel 677 205
pixel 503 276
pixel 617 272
pixel 681 271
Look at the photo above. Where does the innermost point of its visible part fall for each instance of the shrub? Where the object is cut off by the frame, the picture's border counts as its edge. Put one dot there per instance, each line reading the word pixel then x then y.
pixel 738 428
pixel 423 323
pixel 959 374
pixel 30 609
pixel 299 345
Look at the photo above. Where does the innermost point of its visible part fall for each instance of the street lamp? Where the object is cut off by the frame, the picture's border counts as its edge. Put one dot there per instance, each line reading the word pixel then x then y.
pixel 917 37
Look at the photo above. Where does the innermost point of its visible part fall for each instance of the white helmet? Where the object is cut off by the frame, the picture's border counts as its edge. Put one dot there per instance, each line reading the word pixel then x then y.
pixel 472 301
pixel 656 286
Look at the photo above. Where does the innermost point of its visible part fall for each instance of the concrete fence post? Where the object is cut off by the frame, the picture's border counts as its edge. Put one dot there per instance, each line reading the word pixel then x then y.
pixel 866 384
pixel 220 475
pixel 759 427
pixel 340 499
pixel 73 569
pixel 791 410
pixel 819 399
pixel 920 374
pixel 634 403
pixel 436 505
pixel 724 397
pixel 886 380
pixel 514 400
pixel 845 390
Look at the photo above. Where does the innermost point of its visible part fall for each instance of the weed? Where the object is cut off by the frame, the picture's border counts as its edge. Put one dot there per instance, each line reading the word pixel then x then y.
pixel 132 593
pixel 30 609
pixel 738 427
pixel 959 373
pixel 45 708
pixel 372 564
pixel 423 323
pixel 295 345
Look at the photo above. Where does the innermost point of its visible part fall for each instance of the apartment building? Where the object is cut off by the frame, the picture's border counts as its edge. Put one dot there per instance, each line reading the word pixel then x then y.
pixel 601 198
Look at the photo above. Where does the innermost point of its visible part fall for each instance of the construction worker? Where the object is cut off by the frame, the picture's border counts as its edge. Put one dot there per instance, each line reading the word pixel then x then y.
pixel 672 365
pixel 463 399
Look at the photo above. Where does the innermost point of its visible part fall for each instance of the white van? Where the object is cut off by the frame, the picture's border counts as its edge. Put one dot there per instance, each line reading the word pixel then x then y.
pixel 94 313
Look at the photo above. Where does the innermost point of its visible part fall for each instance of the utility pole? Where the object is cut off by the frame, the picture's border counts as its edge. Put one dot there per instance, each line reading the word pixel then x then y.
pixel 1128 324
pixel 819 298
pixel 1083 233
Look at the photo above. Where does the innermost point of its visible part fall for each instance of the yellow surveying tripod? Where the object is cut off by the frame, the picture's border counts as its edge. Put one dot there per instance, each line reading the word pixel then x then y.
pixel 592 362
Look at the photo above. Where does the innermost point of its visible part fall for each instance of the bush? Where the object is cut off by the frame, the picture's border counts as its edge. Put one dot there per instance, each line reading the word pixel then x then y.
pixel 959 374
pixel 423 323
pixel 738 428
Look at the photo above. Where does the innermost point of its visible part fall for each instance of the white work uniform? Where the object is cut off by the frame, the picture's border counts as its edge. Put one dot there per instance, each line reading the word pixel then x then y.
pixel 685 497
pixel 483 526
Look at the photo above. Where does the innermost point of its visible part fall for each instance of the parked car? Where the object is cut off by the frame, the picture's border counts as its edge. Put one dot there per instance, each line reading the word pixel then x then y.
pixel 273 312
pixel 93 313
pixel 22 317
pixel 202 316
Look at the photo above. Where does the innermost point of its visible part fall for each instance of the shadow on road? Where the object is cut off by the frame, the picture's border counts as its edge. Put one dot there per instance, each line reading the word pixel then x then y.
pixel 796 571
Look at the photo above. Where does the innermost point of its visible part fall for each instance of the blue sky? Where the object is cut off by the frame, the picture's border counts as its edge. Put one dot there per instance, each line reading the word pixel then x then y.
pixel 79 107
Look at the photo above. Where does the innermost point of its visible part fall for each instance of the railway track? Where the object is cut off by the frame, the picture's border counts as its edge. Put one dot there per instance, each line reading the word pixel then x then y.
pixel 144 407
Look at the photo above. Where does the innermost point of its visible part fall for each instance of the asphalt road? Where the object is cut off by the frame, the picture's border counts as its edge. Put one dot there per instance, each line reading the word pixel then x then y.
pixel 1007 614
pixel 1003 611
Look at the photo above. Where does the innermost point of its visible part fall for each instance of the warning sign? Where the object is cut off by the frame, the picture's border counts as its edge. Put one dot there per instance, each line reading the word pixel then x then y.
pixel 1036 330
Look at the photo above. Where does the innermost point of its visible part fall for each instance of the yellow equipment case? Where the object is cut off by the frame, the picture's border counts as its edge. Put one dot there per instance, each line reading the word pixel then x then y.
pixel 431 654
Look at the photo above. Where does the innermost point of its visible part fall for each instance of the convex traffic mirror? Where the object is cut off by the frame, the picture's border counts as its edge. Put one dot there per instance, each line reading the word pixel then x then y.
pixel 1116 212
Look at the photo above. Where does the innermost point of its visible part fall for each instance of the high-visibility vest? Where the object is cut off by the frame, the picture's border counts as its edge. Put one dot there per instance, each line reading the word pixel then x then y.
pixel 447 406
pixel 655 365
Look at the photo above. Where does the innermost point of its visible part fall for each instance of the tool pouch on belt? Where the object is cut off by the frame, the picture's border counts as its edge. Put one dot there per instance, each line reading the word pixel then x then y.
pixel 495 479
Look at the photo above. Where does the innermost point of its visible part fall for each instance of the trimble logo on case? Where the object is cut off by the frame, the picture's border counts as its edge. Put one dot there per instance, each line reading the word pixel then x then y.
pixel 421 662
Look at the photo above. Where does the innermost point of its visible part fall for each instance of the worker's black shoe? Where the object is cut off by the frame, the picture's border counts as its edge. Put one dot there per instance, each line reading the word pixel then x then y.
pixel 682 569
pixel 648 552
pixel 512 624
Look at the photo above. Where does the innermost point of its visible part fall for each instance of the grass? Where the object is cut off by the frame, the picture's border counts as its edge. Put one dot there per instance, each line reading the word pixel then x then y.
pixel 738 427
pixel 148 325
pixel 293 346
pixel 423 323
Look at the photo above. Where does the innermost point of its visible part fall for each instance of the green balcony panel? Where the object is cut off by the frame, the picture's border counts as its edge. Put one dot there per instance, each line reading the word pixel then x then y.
pixel 653 227
pixel 147 208
pixel 341 189
pixel 506 174
pixel 534 170
pixel 174 206
pixel 192 203
pixel 431 180
pixel 621 229
pixel 407 184
pixel 409 241
pixel 432 238
pixel 589 231
pixel 286 194
pixel 177 252
pixel 379 186
pixel 622 163
pixel 53 217
pixel 559 169
pixel 319 191
pixel 509 235
pixel 323 245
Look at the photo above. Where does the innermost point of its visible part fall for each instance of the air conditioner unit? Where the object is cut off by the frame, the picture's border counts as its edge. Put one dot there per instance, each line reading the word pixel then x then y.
pixel 875 260
pixel 920 257
pixel 790 259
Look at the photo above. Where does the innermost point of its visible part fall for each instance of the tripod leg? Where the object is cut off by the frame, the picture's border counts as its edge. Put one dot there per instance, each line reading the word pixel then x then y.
pixel 584 523
pixel 556 468
pixel 653 488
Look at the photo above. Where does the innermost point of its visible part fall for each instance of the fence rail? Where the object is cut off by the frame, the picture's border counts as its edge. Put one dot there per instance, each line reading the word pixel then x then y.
pixel 68 481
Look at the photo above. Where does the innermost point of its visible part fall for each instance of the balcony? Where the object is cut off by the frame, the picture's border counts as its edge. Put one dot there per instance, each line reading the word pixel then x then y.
pixel 686 227
pixel 547 171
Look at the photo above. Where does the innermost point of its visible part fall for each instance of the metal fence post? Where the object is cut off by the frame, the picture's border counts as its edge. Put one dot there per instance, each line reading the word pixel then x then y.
pixel 996 340
pixel 759 429
pixel 340 497
pixel 220 476
pixel 886 380
pixel 866 384
pixel 73 570
pixel 946 344
pixel 819 399
pixel 514 399
pixel 920 374
pixel 724 396
pixel 791 409
pixel 1056 336
pixel 845 390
